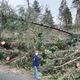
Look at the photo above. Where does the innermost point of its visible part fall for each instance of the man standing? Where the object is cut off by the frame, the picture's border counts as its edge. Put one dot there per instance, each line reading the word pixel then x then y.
pixel 35 63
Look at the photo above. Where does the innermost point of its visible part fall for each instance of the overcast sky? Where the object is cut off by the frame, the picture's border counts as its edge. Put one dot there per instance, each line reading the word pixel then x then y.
pixel 53 6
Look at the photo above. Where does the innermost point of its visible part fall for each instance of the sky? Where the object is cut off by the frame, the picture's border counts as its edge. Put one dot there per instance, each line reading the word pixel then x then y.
pixel 53 6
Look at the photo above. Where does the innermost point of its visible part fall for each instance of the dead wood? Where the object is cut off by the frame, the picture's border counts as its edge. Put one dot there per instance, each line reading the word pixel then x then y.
pixel 11 56
pixel 5 45
pixel 67 62
pixel 47 26
pixel 76 51
pixel 14 59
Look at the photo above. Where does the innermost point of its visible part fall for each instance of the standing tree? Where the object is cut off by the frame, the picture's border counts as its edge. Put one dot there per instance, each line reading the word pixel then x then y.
pixel 76 4
pixel 47 17
pixel 65 13
pixel 28 3
pixel 36 7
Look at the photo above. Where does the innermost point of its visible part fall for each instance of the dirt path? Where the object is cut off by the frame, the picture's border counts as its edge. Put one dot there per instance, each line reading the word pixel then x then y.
pixel 7 73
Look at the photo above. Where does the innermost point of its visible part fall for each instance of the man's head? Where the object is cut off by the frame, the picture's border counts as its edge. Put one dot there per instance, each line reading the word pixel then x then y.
pixel 36 52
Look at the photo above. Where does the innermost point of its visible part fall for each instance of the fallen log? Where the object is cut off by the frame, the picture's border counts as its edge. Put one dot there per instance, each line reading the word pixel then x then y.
pixel 67 62
pixel 14 59
pixel 40 24
pixel 76 51
pixel 64 51
pixel 5 45
pixel 47 26
pixel 11 56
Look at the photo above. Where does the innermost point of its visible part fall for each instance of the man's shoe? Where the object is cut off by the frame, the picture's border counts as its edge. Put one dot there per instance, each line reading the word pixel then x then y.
pixel 39 78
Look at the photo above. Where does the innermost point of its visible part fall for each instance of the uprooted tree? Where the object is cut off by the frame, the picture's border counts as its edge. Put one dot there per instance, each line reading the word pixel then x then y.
pixel 65 13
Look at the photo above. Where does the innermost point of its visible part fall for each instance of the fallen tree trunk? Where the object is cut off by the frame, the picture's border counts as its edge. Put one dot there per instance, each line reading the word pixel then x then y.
pixel 76 51
pixel 40 24
pixel 67 62
pixel 11 56
pixel 47 26
pixel 14 59
pixel 65 51
pixel 5 45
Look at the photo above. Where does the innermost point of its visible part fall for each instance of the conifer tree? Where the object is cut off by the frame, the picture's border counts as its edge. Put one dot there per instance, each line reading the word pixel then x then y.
pixel 65 13
pixel 36 6
pixel 47 17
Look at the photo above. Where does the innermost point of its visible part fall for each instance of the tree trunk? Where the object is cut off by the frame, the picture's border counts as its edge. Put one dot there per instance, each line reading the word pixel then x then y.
pixel 11 56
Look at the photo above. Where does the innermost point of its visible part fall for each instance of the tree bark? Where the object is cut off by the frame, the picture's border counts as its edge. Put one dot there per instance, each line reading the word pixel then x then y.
pixel 11 56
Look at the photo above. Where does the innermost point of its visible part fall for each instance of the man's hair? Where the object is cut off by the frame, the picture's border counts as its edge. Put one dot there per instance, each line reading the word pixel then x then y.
pixel 36 51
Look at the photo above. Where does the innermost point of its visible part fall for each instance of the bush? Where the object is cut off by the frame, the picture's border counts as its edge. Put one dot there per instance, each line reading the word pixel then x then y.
pixel 47 53
pixel 41 42
pixel 72 42
pixel 53 48
pixel 3 55
pixel 47 67
pixel 61 44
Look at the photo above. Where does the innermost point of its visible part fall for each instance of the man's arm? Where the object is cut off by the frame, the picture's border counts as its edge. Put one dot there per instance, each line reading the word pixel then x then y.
pixel 34 61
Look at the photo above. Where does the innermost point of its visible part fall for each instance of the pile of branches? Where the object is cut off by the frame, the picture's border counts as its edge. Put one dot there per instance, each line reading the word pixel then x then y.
pixel 70 60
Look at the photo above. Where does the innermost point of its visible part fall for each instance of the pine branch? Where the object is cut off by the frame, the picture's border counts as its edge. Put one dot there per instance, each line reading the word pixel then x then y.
pixel 76 51
pixel 69 73
pixel 67 62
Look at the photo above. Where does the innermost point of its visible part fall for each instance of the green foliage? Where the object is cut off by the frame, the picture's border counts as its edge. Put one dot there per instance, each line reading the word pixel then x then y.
pixel 11 21
pixel 70 26
pixel 47 18
pixel 41 41
pixel 40 74
pixel 31 43
pixel 47 67
pixel 73 41
pixel 65 13
pixel 45 57
pixel 36 6
pixel 5 20
pixel 22 46
pixel 31 15
pixel 47 51
pixel 21 10
pixel 61 44
pixel 72 77
pixel 3 55
pixel 59 79
pixel 53 48
pixel 22 63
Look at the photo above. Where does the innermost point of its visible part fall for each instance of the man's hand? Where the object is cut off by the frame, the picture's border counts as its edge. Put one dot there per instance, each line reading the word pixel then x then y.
pixel 34 66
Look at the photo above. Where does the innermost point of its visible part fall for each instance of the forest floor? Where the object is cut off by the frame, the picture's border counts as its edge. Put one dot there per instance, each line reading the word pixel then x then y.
pixel 8 73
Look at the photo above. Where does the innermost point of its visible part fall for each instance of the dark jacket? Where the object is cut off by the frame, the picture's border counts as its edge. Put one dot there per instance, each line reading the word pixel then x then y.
pixel 35 61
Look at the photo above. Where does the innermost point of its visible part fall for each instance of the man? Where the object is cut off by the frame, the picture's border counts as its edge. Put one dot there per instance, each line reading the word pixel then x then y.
pixel 35 63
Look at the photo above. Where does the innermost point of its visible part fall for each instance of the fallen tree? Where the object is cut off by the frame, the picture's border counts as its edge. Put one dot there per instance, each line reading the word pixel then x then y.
pixel 11 56
pixel 67 55
pixel 5 45
pixel 68 62
pixel 40 24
